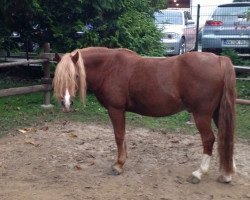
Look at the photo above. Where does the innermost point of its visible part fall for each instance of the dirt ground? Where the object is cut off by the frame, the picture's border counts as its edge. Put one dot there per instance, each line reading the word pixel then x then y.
pixel 68 161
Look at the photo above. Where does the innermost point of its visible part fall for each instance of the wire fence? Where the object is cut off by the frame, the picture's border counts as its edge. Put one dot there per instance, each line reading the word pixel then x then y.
pixel 217 28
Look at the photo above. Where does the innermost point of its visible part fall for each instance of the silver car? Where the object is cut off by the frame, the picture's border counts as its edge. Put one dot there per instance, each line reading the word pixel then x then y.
pixel 179 30
pixel 228 28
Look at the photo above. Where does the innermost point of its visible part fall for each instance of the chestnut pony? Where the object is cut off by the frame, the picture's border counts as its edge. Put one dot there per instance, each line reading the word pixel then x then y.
pixel 201 83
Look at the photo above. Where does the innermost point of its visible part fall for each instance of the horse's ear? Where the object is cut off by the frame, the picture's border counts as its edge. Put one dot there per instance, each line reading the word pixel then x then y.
pixel 75 57
pixel 57 57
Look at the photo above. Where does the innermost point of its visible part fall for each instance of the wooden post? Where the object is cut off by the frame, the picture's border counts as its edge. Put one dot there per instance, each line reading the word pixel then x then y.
pixel 46 78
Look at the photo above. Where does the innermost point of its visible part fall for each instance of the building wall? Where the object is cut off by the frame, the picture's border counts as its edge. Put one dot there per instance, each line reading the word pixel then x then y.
pixel 178 3
pixel 207 7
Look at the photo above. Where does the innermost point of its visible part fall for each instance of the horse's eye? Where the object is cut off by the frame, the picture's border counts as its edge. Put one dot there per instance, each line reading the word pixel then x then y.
pixel 71 103
pixel 62 103
pixel 77 77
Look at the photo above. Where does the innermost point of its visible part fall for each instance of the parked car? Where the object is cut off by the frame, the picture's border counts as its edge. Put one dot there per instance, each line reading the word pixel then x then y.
pixel 179 30
pixel 229 27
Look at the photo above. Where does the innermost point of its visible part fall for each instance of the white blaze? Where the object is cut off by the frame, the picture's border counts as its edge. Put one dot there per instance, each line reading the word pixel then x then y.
pixel 67 99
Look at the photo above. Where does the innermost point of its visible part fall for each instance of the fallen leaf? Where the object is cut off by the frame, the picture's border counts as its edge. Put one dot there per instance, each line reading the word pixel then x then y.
pixel 28 163
pixel 68 131
pixel 72 135
pixel 27 130
pixel 22 131
pixel 65 123
pixel 78 167
pixel 46 128
pixel 92 163
pixel 175 141
pixel 32 142
pixel 80 142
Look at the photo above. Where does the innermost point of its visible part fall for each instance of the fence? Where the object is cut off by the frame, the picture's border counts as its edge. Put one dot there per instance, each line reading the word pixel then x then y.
pixel 46 87
pixel 46 80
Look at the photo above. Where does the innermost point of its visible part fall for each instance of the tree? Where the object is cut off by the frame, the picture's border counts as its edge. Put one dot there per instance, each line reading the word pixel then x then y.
pixel 21 16
pixel 111 23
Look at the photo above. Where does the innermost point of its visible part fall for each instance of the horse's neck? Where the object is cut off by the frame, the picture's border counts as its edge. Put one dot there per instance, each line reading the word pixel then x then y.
pixel 96 69
pixel 100 62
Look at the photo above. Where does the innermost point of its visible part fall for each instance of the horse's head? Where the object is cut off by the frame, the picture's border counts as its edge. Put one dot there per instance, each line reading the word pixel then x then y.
pixel 69 78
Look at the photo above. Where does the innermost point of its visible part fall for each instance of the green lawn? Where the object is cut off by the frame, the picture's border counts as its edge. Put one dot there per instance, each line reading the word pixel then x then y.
pixel 25 110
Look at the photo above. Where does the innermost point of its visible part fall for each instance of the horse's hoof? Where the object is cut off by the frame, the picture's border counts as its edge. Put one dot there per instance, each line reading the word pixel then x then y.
pixel 222 179
pixel 194 180
pixel 116 170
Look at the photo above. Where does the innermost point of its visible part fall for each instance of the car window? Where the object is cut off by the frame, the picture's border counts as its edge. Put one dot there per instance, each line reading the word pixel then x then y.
pixel 168 18
pixel 231 13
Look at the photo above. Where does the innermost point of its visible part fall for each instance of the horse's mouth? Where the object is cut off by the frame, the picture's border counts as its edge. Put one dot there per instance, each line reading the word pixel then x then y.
pixel 66 106
pixel 66 109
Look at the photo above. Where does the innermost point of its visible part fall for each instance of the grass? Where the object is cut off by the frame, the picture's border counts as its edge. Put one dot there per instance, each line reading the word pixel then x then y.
pixel 25 110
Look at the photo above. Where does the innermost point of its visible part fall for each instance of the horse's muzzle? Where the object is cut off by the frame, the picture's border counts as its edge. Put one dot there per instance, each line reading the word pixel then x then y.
pixel 66 108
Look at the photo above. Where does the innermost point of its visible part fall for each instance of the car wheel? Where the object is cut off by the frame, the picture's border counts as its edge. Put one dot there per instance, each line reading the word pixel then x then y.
pixel 182 48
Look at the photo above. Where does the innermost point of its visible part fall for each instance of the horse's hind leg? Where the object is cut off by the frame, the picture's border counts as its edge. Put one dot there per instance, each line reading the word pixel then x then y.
pixel 118 120
pixel 203 124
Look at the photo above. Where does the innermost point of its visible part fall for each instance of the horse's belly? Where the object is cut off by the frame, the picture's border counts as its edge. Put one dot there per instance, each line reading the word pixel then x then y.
pixel 158 109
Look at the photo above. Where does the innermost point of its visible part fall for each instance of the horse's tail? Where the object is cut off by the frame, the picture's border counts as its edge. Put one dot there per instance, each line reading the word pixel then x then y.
pixel 226 123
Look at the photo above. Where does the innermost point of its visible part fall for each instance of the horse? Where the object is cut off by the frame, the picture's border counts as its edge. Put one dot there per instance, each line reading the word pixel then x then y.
pixel 123 81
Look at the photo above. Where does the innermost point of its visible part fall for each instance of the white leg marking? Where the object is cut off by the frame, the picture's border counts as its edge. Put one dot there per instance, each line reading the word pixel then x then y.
pixel 234 165
pixel 228 177
pixel 204 167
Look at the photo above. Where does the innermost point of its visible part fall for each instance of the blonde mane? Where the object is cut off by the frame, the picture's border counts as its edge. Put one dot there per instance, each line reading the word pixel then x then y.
pixel 70 75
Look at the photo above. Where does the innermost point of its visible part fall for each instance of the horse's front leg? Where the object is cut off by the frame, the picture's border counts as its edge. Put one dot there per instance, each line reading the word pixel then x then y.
pixel 117 117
